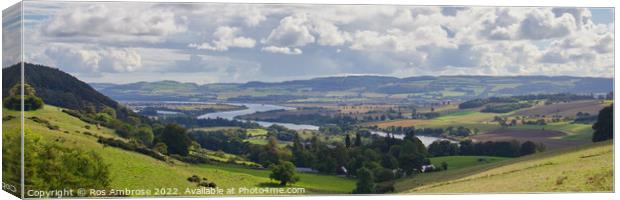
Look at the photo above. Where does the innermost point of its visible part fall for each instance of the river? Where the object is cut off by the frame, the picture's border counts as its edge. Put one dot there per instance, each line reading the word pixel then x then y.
pixel 253 108
pixel 426 140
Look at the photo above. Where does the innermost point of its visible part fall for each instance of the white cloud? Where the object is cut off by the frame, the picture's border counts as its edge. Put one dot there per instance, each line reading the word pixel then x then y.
pixel 226 37
pixel 542 24
pixel 293 31
pixel 380 39
pixel 106 22
pixel 282 50
pixel 82 59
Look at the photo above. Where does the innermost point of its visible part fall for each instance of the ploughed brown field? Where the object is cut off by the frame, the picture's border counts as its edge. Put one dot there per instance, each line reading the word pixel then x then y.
pixel 565 109
pixel 547 137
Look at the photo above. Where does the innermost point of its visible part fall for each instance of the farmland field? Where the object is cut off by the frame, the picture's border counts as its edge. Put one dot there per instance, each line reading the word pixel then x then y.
pixel 565 109
pixel 547 137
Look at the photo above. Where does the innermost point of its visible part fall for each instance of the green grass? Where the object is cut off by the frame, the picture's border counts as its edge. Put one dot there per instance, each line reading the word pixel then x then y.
pixel 310 180
pixel 588 168
pixel 136 171
pixel 256 132
pixel 458 162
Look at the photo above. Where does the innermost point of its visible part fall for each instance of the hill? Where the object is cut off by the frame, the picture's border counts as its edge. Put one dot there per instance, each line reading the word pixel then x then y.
pixel 137 171
pixel 361 88
pixel 60 89
pixel 588 168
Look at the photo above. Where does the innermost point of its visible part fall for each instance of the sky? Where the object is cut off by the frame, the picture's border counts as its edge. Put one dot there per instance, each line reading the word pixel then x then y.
pixel 209 42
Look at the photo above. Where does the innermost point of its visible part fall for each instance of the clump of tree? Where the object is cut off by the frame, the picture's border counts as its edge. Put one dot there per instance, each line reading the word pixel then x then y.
pixel 176 139
pixel 193 122
pixel 365 182
pixel 31 101
pixel 604 126
pixel 284 172
pixel 549 98
pixel 511 148
pixel 504 108
pixel 443 148
pixel 51 166
pixel 281 133
pixel 228 140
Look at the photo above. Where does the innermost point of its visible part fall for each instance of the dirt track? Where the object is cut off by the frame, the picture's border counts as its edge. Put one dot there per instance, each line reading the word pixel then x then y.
pixel 549 138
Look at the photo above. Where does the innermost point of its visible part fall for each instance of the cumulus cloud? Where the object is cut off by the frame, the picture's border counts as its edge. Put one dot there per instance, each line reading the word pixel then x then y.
pixel 292 31
pixel 107 22
pixel 354 39
pixel 282 50
pixel 226 37
pixel 82 59
pixel 541 24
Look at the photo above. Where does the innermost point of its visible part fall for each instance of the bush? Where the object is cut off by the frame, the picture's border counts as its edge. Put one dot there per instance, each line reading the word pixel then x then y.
pixel 31 101
pixel 8 117
pixel 53 167
pixel 194 178
pixel 284 172
pixel 132 147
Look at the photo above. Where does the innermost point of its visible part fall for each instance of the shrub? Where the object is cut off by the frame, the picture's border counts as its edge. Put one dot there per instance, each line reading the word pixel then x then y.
pixel 284 172
pixel 8 117
pixel 132 147
pixel 194 178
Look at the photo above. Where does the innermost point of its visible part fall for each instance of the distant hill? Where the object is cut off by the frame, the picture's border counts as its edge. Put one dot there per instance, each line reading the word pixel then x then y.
pixel 362 88
pixel 58 88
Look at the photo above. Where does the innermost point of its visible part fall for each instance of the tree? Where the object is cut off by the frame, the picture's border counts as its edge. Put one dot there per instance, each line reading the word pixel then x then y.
pixel 604 126
pixel 111 112
pixel 443 148
pixel 389 161
pixel 365 182
pixel 284 172
pixel 145 135
pixel 412 156
pixel 14 100
pixel 528 148
pixel 175 137
pixel 347 141
pixel 358 140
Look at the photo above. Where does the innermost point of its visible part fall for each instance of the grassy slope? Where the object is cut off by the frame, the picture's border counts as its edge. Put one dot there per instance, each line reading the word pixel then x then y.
pixel 136 171
pixel 586 168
